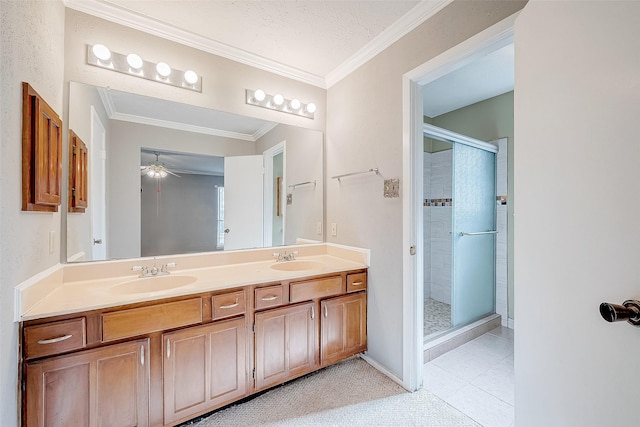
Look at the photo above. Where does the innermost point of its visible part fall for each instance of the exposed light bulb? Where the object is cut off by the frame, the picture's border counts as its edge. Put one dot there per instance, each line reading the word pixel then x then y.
pixel 101 52
pixel 278 99
pixel 134 61
pixel 259 95
pixel 190 77
pixel 163 173
pixel 150 173
pixel 163 69
pixel 295 104
pixel 311 108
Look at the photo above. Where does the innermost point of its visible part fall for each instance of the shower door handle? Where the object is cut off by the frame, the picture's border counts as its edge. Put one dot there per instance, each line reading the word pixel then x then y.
pixel 478 233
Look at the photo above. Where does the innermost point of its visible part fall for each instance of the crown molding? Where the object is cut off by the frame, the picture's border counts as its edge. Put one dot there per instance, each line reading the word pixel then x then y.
pixel 158 28
pixel 416 16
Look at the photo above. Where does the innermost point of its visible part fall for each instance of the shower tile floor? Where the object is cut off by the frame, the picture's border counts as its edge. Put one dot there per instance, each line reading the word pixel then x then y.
pixel 477 378
pixel 437 316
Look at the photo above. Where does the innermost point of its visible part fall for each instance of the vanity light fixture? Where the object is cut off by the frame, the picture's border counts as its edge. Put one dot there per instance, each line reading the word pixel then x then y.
pixel 278 102
pixel 132 64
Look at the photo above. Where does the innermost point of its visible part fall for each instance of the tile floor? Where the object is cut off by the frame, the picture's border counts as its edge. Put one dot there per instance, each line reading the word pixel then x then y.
pixel 477 378
pixel 437 316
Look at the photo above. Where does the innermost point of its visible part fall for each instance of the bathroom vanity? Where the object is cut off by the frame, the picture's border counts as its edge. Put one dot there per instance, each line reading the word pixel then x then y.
pixel 161 357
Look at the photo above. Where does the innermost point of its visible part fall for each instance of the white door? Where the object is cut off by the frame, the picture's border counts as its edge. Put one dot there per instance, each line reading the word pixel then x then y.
pixel 97 188
pixel 243 202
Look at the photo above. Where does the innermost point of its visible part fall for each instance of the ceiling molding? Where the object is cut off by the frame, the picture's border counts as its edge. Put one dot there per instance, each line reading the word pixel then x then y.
pixel 416 16
pixel 263 130
pixel 143 23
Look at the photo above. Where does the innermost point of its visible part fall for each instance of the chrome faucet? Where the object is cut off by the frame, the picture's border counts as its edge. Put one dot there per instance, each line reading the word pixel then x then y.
pixel 280 257
pixel 146 271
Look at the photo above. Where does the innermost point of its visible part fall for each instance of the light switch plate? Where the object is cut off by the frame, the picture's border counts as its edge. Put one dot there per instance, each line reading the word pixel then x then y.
pixel 334 229
pixel 392 188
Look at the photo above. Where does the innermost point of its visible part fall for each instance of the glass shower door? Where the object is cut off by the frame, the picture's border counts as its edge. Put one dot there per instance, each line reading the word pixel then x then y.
pixel 474 204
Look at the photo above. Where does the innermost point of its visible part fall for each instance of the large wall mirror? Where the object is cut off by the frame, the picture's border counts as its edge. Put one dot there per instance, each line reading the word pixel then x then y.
pixel 169 178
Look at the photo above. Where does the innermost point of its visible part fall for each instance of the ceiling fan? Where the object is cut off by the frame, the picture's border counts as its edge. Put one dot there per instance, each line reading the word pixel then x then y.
pixel 156 169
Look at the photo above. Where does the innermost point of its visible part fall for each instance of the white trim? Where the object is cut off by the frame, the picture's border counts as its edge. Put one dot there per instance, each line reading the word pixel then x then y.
pixel 511 324
pixel 492 38
pixel 133 118
pixel 381 369
pixel 149 25
pixel 78 257
pixel 416 16
pixel 267 227
pixel 449 136
pixel 412 235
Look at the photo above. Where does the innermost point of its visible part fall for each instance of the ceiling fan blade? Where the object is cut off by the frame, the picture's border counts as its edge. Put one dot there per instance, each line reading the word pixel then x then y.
pixel 174 174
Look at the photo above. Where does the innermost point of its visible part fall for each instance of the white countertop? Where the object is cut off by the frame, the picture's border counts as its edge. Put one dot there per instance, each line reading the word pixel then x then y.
pixel 82 295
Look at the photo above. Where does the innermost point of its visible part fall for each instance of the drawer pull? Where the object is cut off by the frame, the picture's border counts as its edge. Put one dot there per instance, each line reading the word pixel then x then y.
pixel 237 303
pixel 326 312
pixel 313 313
pixel 357 284
pixel 55 340
pixel 168 349
pixel 270 298
pixel 142 355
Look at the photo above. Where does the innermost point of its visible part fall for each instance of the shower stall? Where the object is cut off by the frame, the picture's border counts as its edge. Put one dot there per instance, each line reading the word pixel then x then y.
pixel 459 224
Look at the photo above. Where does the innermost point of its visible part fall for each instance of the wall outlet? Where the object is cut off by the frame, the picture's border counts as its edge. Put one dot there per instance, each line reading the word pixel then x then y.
pixel 334 229
pixel 319 228
pixel 52 241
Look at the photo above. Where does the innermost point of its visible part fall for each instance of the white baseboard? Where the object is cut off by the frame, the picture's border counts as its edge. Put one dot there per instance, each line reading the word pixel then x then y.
pixel 512 324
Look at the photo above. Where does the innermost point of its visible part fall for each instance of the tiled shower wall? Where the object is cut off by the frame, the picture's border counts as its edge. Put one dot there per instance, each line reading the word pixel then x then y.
pixel 437 217
pixel 438 175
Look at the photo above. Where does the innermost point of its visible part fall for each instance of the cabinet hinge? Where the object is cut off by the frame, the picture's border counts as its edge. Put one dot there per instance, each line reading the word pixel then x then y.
pixel 254 373
pixel 254 328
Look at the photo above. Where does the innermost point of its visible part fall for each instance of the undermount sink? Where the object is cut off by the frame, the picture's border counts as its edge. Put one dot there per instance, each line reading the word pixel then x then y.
pixel 152 284
pixel 297 265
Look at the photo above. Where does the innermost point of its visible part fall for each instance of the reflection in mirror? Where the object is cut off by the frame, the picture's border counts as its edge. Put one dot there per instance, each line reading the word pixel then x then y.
pixel 235 187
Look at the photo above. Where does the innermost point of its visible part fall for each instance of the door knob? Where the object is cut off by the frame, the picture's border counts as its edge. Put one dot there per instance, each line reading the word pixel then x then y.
pixel 97 241
pixel 226 230
pixel 629 311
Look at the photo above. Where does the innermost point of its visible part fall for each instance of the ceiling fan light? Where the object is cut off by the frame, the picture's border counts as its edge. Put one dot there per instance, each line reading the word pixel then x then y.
pixel 163 173
pixel 150 173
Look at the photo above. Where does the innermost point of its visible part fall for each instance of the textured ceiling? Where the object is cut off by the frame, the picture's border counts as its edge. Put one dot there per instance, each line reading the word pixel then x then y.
pixel 314 36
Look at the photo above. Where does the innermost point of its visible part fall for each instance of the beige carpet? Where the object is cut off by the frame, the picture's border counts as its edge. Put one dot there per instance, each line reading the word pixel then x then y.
pixel 351 393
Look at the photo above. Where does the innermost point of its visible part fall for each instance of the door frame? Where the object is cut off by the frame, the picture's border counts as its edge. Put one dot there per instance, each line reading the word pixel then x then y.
pixel 268 156
pixel 487 41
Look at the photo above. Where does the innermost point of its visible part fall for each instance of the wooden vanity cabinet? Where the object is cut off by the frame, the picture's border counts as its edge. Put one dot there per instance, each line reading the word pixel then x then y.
pixel 285 344
pixel 343 327
pixel 164 362
pixel 204 367
pixel 108 386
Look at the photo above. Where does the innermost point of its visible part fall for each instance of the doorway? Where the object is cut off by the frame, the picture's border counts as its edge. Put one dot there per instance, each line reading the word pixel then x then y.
pixel 478 46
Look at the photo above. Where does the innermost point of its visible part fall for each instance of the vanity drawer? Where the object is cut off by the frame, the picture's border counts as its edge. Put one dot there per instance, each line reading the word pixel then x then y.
pixel 227 305
pixel 271 296
pixel 356 282
pixel 54 338
pixel 314 289
pixel 154 318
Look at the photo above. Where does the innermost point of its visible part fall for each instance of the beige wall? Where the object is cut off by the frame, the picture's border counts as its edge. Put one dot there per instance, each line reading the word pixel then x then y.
pixel 489 120
pixel 364 130
pixel 32 46
pixel 577 181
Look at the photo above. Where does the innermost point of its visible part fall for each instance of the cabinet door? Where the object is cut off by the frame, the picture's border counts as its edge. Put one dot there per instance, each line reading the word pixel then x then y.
pixel 285 344
pixel 103 387
pixel 204 367
pixel 344 327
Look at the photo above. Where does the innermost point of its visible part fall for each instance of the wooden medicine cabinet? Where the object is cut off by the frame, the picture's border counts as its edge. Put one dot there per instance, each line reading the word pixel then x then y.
pixel 78 157
pixel 41 153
